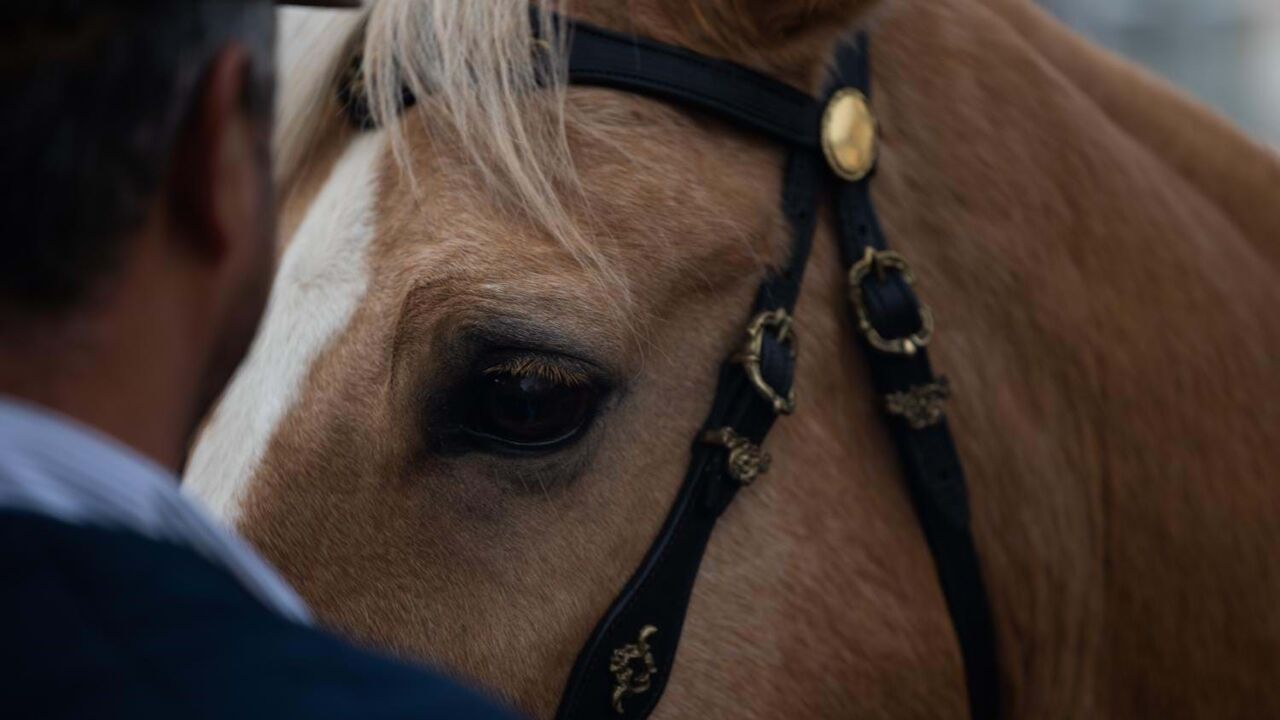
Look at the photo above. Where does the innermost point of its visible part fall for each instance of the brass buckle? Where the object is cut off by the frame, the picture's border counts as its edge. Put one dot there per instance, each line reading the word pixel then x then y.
pixel 878 261
pixel 750 355
pixel 747 461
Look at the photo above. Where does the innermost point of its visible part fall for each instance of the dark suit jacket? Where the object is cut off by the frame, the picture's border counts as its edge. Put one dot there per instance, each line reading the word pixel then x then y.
pixel 104 624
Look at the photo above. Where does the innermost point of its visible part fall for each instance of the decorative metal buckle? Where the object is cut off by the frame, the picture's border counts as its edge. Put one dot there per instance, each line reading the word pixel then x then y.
pixel 751 353
pixel 633 668
pixel 747 461
pixel 922 405
pixel 878 261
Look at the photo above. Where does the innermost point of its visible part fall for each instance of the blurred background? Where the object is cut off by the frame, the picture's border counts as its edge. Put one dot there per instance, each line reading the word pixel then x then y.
pixel 1225 52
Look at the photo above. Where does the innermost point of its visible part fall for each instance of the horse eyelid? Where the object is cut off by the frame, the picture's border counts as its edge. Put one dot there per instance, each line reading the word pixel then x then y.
pixel 561 373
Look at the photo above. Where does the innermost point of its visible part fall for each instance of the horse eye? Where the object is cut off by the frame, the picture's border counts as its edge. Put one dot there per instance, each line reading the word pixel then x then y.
pixel 529 412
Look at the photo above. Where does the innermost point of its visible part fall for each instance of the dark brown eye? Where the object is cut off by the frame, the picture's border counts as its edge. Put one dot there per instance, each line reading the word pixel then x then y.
pixel 530 412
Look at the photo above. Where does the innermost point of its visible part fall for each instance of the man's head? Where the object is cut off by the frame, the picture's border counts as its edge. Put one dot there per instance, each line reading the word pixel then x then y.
pixel 136 204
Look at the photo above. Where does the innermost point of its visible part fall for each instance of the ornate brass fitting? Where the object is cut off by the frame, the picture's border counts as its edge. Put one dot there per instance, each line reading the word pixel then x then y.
pixel 747 461
pixel 878 261
pixel 750 355
pixel 633 668
pixel 922 406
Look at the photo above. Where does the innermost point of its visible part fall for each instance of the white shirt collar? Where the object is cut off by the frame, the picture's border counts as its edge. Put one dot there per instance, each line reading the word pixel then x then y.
pixel 53 466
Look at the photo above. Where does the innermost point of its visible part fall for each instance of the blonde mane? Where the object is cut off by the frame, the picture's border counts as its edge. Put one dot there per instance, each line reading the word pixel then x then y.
pixel 311 48
pixel 502 92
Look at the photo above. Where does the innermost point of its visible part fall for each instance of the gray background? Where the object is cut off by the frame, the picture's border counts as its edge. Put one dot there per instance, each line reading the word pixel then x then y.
pixel 1225 52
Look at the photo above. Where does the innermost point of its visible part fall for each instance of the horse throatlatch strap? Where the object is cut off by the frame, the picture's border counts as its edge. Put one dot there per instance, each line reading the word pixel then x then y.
pixel 882 296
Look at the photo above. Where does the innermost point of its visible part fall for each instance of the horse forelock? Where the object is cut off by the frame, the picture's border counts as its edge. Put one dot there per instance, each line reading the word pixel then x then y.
pixel 483 69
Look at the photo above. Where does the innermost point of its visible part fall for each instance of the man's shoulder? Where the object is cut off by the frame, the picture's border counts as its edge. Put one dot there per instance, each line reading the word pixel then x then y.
pixel 102 623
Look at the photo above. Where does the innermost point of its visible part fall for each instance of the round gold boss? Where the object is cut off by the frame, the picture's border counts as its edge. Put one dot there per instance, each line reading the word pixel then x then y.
pixel 849 135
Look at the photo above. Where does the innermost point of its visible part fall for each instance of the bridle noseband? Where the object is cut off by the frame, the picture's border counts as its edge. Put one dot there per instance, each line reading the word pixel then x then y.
pixel 626 663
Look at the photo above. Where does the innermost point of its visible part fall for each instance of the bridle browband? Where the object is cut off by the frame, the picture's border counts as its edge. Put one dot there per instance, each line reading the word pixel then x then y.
pixel 626 663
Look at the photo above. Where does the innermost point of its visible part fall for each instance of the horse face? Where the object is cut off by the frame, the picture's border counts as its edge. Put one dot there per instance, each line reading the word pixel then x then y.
pixel 456 438
pixel 477 434
pixel 458 433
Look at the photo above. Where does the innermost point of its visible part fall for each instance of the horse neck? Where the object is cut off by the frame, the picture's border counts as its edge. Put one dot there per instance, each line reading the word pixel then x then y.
pixel 1100 255
pixel 1238 174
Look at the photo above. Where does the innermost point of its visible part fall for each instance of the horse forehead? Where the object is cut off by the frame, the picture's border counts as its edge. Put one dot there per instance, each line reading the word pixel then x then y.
pixel 670 201
pixel 323 277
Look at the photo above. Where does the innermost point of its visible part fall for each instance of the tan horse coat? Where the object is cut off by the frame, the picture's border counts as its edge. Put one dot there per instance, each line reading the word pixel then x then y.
pixel 1104 260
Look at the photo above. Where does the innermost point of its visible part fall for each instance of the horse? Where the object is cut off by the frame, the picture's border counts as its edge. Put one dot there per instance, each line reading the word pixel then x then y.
pixel 500 311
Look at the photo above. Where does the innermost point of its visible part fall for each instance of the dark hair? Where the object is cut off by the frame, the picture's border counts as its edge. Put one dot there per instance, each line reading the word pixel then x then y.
pixel 95 93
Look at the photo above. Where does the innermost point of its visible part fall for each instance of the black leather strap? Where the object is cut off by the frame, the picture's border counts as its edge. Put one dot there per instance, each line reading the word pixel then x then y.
pixel 657 595
pixel 935 479
pixel 733 93
pixel 603 58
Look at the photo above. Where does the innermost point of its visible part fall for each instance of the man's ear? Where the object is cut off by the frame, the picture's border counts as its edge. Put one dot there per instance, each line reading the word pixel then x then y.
pixel 217 179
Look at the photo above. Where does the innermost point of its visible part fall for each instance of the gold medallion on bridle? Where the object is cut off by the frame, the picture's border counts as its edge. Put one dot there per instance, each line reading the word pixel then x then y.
pixel 849 135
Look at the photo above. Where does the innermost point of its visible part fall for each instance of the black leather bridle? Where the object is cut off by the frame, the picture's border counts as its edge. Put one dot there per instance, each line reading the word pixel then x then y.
pixel 624 667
